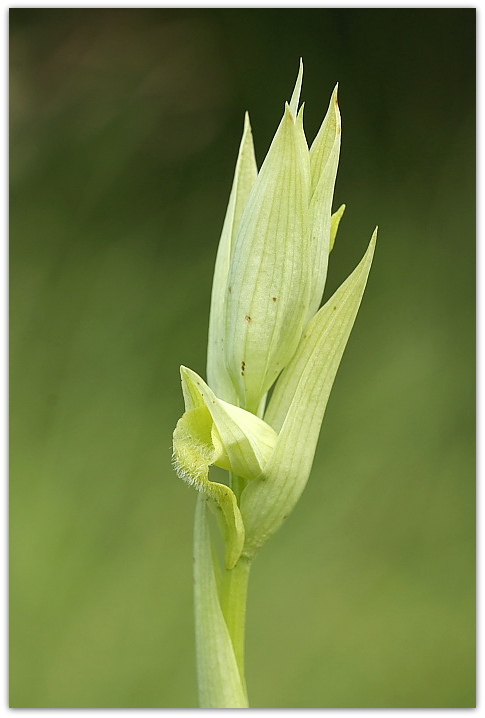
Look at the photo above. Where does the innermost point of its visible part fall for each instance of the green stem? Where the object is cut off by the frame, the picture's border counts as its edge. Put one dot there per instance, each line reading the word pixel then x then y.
pixel 233 601
pixel 219 672
pixel 237 484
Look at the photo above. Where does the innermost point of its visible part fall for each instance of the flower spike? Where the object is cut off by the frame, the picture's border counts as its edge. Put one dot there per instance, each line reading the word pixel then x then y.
pixel 266 332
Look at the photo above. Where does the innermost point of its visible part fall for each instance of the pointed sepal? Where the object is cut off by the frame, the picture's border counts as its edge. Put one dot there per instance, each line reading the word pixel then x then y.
pixel 295 97
pixel 324 158
pixel 244 178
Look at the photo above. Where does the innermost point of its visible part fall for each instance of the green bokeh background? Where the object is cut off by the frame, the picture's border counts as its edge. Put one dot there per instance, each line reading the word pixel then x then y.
pixel 125 125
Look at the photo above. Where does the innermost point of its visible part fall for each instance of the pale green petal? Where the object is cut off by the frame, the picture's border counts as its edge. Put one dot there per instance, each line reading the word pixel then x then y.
pixel 268 285
pixel 324 158
pixel 219 681
pixel 297 407
pixel 336 217
pixel 295 98
pixel 251 444
pixel 244 178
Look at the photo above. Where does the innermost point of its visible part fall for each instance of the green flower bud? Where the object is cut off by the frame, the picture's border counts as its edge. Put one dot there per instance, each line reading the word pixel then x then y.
pixel 264 328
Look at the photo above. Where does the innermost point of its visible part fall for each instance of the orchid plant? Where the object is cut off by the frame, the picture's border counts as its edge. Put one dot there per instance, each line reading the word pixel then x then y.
pixel 266 331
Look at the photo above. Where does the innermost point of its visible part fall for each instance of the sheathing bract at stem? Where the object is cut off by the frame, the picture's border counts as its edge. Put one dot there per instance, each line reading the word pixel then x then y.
pixel 266 331
pixel 297 408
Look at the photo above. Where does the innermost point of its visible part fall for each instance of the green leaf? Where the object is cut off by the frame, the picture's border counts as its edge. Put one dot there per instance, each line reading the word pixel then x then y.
pixel 268 285
pixel 244 178
pixel 219 680
pixel 297 408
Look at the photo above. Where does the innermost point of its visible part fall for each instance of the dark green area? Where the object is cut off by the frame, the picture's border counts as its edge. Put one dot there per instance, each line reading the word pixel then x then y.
pixel 125 125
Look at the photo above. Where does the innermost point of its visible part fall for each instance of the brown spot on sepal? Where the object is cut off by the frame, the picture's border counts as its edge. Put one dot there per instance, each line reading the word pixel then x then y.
pixel 243 367
pixel 248 319
pixel 274 299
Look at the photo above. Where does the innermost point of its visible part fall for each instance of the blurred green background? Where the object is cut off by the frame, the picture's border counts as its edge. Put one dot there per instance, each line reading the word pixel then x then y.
pixel 125 125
